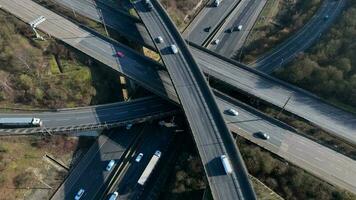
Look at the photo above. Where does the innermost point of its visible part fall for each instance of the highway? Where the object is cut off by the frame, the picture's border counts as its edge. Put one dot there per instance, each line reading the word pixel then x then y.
pixel 301 40
pixel 90 173
pixel 156 138
pixel 129 27
pixel 96 117
pixel 245 14
pixel 303 104
pixel 317 159
pixel 208 19
pixel 207 125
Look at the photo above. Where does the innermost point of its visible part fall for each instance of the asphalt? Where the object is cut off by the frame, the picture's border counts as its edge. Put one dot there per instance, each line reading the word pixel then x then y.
pixel 244 14
pixel 249 86
pixel 317 159
pixel 209 16
pixel 156 138
pixel 303 104
pixel 300 41
pixel 100 10
pixel 199 105
pixel 135 111
pixel 90 172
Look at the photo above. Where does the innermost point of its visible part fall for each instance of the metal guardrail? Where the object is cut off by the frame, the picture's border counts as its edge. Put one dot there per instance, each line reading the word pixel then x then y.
pixel 83 127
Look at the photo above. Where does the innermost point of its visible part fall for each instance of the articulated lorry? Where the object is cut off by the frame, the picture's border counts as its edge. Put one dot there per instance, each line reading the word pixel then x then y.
pixel 148 170
pixel 20 122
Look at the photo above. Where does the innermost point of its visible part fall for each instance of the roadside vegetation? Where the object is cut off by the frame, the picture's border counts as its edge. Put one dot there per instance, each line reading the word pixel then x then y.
pixel 46 74
pixel 182 11
pixel 287 180
pixel 278 20
pixel 329 68
pixel 26 172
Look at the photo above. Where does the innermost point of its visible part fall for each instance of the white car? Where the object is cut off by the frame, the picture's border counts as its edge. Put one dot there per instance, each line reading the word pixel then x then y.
pixel 114 196
pixel 79 194
pixel 128 126
pixel 232 112
pixel 158 153
pixel 217 41
pixel 159 39
pixel 239 28
pixel 174 48
pixel 110 165
pixel 139 157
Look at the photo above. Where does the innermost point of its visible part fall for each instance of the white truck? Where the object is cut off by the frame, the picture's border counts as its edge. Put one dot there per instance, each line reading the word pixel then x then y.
pixel 20 122
pixel 226 163
pixel 149 168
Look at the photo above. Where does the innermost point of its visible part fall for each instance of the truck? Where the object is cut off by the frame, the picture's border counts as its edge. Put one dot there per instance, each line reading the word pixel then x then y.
pixel 20 122
pixel 149 168
pixel 226 163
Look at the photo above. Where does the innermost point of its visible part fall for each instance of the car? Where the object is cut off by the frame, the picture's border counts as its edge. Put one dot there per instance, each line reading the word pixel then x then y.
pixel 114 196
pixel 149 4
pixel 128 126
pixel 174 48
pixel 217 3
pixel 207 29
pixel 110 165
pixel 263 135
pixel 217 41
pixel 120 54
pixel 159 39
pixel 139 157
pixel 232 111
pixel 158 153
pixel 162 123
pixel 79 194
pixel 239 28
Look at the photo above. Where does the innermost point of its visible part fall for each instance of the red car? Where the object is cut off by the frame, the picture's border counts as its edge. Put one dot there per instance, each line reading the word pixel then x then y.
pixel 120 54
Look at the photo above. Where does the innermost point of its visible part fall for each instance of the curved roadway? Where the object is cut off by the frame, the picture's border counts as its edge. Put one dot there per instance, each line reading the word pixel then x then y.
pixel 210 133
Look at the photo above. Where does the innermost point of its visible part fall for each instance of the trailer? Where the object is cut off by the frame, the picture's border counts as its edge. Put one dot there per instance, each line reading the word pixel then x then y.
pixel 149 168
pixel 226 163
pixel 20 122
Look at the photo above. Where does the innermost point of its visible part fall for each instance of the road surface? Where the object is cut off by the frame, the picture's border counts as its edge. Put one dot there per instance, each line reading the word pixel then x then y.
pixel 245 14
pixel 209 130
pixel 300 41
pixel 90 174
pixel 96 117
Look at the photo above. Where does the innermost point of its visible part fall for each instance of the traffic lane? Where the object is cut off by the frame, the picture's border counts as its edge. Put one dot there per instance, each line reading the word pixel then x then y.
pixel 91 158
pixel 299 45
pixel 198 94
pixel 100 114
pixel 304 37
pixel 158 139
pixel 95 175
pixel 245 15
pixel 301 103
pixel 96 46
pixel 210 16
pixel 252 123
pixel 321 161
pixel 299 34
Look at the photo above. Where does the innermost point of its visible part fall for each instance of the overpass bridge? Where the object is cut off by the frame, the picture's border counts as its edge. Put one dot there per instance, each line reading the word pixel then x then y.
pixel 209 130
pixel 95 117
pixel 253 82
